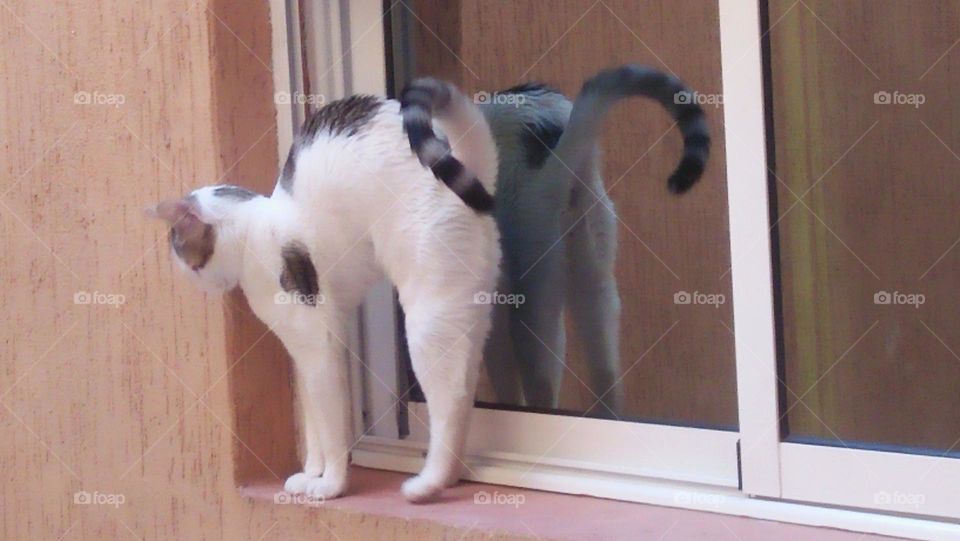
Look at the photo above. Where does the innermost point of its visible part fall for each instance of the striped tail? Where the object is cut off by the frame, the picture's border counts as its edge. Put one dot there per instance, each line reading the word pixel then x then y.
pixel 611 85
pixel 425 99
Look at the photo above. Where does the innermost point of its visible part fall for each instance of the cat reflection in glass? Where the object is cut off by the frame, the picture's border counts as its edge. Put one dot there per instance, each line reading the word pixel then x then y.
pixel 558 230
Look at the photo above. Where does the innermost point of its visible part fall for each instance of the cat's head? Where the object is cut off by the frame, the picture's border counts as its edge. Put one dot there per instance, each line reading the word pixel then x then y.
pixel 207 234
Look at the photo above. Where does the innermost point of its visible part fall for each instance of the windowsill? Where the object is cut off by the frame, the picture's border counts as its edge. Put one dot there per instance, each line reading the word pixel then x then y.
pixel 545 515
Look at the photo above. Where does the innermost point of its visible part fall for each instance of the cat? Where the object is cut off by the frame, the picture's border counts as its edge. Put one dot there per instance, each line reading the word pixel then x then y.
pixel 558 230
pixel 353 204
pixel 357 201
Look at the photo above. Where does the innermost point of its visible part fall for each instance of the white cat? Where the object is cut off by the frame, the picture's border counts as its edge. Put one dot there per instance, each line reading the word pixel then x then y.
pixel 352 205
pixel 558 230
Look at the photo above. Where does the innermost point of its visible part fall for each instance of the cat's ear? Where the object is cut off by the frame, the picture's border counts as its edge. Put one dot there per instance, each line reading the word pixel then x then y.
pixel 183 215
pixel 172 211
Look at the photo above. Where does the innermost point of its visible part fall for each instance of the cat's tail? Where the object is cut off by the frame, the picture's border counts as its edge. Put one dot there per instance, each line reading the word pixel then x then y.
pixel 610 86
pixel 469 168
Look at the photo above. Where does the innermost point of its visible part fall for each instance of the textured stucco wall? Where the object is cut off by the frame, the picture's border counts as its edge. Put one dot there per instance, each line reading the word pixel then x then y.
pixel 107 105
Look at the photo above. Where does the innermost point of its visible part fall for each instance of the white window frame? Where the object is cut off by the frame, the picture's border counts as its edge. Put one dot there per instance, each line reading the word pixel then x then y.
pixel 859 478
pixel 664 465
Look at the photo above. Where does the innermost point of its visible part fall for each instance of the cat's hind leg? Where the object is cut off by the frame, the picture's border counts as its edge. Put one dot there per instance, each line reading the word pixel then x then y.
pixel 445 332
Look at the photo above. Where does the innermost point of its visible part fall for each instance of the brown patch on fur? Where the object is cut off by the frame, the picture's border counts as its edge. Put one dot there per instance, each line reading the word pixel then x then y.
pixel 194 248
pixel 299 275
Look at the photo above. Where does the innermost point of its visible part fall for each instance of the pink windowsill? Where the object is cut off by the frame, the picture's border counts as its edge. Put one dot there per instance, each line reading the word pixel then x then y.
pixel 547 515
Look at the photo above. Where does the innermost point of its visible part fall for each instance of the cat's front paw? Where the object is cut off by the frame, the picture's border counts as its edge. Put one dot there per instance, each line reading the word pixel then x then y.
pixel 298 482
pixel 326 487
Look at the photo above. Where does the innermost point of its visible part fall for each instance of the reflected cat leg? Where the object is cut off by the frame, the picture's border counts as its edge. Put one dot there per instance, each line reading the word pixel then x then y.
pixel 501 364
pixel 536 323
pixel 593 296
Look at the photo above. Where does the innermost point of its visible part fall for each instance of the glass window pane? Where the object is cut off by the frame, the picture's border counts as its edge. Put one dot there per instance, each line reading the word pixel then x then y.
pixel 676 359
pixel 865 116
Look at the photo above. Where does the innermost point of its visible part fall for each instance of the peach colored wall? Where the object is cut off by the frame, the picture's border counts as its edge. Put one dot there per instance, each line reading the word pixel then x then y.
pixel 134 399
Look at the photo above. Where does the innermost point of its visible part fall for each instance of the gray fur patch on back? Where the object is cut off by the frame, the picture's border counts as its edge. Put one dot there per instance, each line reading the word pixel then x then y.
pixel 289 168
pixel 345 117
pixel 234 192
pixel 342 117
pixel 530 88
pixel 299 276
